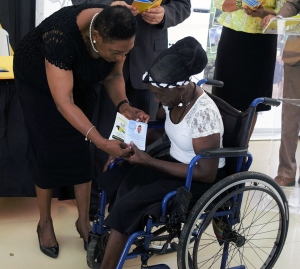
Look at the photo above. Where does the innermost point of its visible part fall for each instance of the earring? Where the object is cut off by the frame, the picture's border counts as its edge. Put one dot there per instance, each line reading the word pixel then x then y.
pixel 94 41
pixel 181 103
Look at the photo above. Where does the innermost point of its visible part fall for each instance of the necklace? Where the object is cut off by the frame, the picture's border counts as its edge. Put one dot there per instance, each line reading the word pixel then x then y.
pixel 91 32
pixel 184 109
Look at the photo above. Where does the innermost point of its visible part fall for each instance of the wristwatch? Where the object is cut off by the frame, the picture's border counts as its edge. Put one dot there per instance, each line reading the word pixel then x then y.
pixel 121 103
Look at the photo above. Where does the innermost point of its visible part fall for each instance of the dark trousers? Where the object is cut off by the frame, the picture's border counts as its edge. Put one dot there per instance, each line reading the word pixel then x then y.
pixel 290 124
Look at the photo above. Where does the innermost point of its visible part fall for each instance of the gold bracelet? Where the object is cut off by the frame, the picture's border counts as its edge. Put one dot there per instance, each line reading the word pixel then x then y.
pixel 238 4
pixel 86 136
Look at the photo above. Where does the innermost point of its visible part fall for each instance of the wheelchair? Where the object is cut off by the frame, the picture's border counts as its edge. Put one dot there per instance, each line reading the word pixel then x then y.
pixel 240 222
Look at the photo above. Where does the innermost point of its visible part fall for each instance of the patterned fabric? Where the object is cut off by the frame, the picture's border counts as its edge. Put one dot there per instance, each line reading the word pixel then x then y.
pixel 239 21
pixel 148 79
pixel 59 40
pixel 204 118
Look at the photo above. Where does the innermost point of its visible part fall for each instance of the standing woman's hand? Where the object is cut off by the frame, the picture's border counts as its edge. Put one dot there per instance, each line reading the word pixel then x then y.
pixel 154 15
pixel 266 20
pixel 133 9
pixel 258 12
pixel 133 113
pixel 115 148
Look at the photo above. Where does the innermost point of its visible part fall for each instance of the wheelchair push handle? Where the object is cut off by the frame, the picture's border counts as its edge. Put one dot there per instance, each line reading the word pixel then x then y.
pixel 271 101
pixel 213 82
pixel 265 100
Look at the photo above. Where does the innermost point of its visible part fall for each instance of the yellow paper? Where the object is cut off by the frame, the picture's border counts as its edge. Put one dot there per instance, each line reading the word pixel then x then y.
pixel 6 62
pixel 289 25
pixel 144 6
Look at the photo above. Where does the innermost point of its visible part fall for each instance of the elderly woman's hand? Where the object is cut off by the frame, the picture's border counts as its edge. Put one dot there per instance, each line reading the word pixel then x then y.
pixel 133 9
pixel 138 157
pixel 133 113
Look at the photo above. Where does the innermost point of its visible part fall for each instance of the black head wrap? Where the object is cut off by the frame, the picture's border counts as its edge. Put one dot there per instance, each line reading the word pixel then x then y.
pixel 174 66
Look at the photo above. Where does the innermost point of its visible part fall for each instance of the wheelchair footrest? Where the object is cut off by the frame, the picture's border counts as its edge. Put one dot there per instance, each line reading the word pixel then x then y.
pixel 157 266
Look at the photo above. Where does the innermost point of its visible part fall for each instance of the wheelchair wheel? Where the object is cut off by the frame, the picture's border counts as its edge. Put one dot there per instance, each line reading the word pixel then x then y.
pixel 252 238
pixel 96 249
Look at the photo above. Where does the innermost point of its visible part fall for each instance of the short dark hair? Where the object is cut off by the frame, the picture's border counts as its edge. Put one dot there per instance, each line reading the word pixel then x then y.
pixel 116 23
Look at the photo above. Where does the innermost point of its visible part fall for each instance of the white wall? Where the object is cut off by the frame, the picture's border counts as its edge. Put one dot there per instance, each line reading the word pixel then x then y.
pixel 44 8
pixel 196 25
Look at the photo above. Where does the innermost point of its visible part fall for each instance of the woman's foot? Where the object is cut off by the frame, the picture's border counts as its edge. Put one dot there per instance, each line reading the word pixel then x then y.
pixel 47 239
pixel 83 230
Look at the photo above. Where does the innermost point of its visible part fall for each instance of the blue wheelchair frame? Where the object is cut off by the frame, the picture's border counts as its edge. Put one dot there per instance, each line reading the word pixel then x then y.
pixel 233 212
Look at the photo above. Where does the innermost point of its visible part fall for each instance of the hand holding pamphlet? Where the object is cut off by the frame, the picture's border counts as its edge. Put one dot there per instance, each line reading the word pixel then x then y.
pixel 144 5
pixel 127 130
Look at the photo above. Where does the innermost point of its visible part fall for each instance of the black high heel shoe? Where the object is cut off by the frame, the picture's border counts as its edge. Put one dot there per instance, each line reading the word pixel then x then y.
pixel 51 251
pixel 85 244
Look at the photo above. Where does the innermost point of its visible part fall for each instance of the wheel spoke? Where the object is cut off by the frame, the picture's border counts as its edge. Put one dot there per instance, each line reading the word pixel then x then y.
pixel 257 236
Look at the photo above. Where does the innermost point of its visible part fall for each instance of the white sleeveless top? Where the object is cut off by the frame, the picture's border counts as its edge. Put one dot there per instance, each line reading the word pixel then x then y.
pixel 202 119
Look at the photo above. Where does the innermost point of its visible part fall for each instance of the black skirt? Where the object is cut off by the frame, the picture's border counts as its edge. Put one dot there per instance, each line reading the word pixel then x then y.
pixel 140 194
pixel 59 154
pixel 246 64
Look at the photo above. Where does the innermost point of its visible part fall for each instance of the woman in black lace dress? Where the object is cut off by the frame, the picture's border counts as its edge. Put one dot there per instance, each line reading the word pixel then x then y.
pixel 55 66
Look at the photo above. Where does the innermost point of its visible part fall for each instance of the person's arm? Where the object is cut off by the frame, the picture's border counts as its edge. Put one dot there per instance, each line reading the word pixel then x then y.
pixel 227 5
pixel 60 82
pixel 115 87
pixel 290 8
pixel 204 171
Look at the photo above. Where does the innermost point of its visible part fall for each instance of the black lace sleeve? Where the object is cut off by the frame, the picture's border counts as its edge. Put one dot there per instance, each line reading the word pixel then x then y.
pixel 59 49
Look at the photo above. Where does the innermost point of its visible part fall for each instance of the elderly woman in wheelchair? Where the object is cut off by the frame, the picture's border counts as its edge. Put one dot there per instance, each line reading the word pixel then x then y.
pixel 137 186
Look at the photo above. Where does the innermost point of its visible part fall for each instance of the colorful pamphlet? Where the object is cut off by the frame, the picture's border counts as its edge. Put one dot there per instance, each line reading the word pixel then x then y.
pixel 144 5
pixel 127 130
pixel 252 4
pixel 279 25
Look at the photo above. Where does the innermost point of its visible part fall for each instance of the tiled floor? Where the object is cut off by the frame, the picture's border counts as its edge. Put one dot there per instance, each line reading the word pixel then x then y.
pixel 19 216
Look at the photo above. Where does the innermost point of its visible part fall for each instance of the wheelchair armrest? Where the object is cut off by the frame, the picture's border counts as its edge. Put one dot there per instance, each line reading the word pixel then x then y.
pixel 224 152
pixel 213 153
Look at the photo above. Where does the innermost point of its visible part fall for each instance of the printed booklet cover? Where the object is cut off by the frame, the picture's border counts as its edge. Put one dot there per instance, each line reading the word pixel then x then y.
pixel 144 5
pixel 127 130
pixel 252 4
